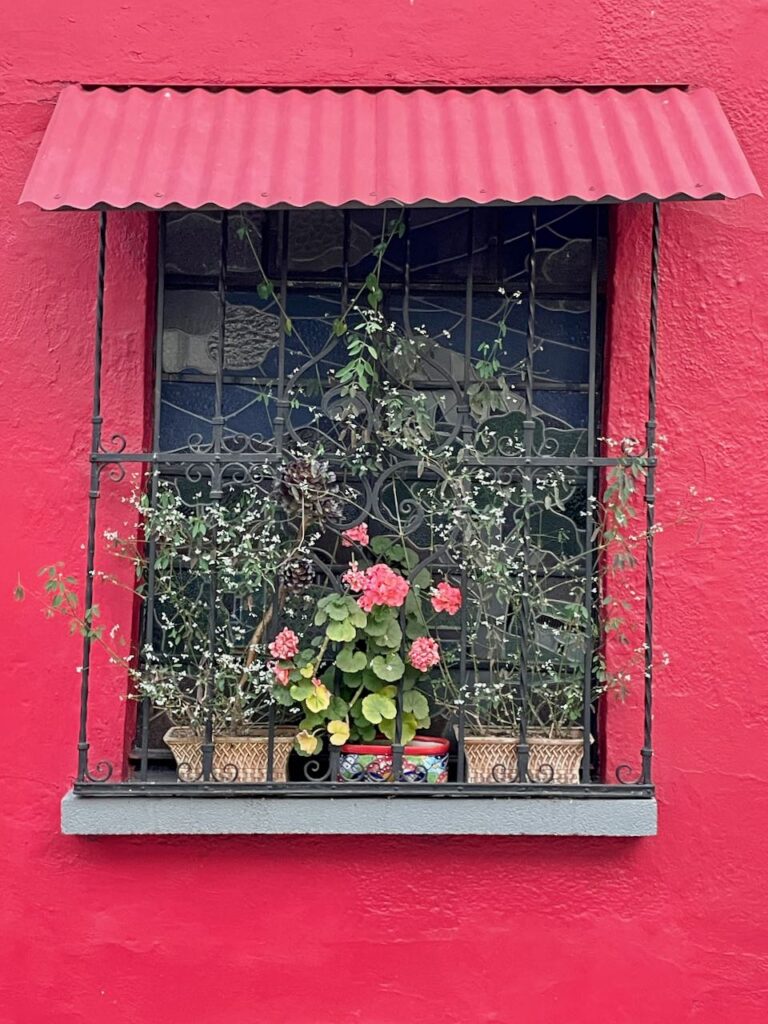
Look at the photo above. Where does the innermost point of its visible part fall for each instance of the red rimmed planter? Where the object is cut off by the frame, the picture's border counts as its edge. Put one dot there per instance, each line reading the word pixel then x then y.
pixel 425 759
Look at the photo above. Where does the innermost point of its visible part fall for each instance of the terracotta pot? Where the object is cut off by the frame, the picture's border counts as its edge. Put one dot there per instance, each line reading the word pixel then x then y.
pixel 241 758
pixel 425 759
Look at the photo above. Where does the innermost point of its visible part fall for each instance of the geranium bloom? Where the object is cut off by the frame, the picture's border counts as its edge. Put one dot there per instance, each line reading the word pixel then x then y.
pixel 285 645
pixel 282 674
pixel 383 586
pixel 446 598
pixel 424 653
pixel 354 578
pixel 357 535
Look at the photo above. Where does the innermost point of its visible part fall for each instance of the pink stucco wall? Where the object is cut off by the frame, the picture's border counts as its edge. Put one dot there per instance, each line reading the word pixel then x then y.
pixel 382 930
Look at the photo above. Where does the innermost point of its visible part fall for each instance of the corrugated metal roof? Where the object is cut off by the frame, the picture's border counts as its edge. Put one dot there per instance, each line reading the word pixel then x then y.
pixel 230 147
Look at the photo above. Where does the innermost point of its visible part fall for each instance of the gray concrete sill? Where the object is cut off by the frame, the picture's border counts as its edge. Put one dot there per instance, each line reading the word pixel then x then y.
pixel 403 815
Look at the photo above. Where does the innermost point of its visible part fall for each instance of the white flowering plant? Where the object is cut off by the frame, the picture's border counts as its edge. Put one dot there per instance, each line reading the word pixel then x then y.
pixel 214 571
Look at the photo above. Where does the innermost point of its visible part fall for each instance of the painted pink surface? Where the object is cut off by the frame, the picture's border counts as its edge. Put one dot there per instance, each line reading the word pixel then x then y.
pixel 381 930
pixel 228 148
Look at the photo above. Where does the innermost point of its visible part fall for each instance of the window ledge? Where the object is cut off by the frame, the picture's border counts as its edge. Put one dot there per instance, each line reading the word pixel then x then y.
pixel 403 815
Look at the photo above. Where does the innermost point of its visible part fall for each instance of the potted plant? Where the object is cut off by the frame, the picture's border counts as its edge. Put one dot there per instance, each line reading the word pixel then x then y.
pixel 528 593
pixel 204 666
pixel 359 674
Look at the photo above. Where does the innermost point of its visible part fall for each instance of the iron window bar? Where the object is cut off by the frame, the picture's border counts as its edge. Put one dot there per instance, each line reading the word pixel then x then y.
pixel 96 778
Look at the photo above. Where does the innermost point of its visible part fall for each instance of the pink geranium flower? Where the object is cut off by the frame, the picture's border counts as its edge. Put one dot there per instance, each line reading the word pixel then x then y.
pixel 282 674
pixel 354 577
pixel 356 535
pixel 285 645
pixel 446 598
pixel 383 586
pixel 424 653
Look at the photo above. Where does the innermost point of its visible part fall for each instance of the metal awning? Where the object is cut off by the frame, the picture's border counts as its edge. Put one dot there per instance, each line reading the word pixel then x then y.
pixel 166 148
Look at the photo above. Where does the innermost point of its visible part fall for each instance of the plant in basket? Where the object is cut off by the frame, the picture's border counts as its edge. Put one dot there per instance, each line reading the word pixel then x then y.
pixel 214 567
pixel 533 637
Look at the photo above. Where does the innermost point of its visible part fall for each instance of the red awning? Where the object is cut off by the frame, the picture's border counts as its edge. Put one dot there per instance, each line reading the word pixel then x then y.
pixel 109 147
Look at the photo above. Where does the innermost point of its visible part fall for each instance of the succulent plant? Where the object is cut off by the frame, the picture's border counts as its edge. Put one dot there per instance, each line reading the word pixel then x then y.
pixel 308 489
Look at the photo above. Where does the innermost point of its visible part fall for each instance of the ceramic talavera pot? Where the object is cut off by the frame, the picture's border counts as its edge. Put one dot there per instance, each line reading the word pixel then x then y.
pixel 425 759
pixel 241 758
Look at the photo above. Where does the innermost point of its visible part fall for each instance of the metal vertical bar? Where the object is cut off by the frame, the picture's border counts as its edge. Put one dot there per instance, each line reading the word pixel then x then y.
pixel 83 773
pixel 281 402
pixel 335 753
pixel 528 432
pixel 467 431
pixel 650 496
pixel 397 745
pixel 218 411
pixel 149 597
pixel 466 423
pixel 589 518
pixel 216 493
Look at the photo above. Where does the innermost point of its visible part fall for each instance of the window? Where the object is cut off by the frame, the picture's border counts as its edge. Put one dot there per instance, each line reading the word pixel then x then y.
pixel 377 529
pixel 483 331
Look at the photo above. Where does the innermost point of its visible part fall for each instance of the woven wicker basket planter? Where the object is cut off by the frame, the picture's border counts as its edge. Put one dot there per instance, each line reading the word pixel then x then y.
pixel 553 760
pixel 490 758
pixel 235 758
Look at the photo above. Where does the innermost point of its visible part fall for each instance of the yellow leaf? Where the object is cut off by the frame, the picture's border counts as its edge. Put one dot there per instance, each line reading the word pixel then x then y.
pixel 308 671
pixel 307 741
pixel 338 732
pixel 319 699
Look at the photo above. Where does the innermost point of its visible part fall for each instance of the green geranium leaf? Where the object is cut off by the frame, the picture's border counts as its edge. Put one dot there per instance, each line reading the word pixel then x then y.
pixel 379 621
pixel 371 681
pixel 381 545
pixel 407 729
pixel 414 628
pixel 393 637
pixel 321 617
pixel 350 660
pixel 399 553
pixel 376 708
pixel 311 721
pixel 300 691
pixel 282 696
pixel 342 632
pixel 417 703
pixel 388 667
pixel 422 579
pixel 338 708
pixel 358 618
pixel 338 612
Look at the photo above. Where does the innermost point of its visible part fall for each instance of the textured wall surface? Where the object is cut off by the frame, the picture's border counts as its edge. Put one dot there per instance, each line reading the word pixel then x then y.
pixel 342 930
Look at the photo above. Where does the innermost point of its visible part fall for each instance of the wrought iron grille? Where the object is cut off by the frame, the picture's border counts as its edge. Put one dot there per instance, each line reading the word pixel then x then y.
pixel 248 389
